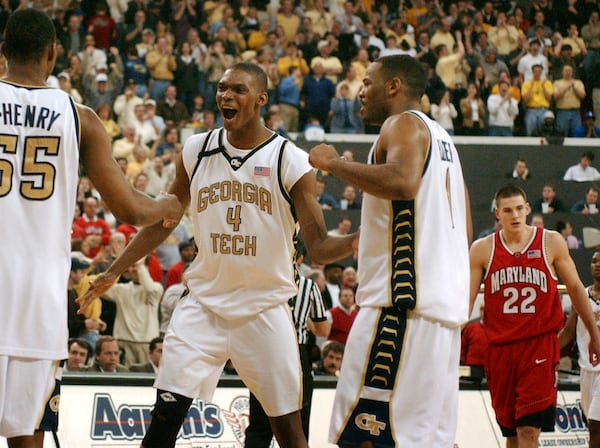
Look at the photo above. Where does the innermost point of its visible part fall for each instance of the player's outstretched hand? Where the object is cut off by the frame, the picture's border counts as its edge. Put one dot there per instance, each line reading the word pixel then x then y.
pixel 99 286
pixel 173 209
pixel 321 155
pixel 594 352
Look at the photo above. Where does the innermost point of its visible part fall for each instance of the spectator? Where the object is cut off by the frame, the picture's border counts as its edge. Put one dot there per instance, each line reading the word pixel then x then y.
pixel 351 23
pixel 425 53
pixel 96 229
pixel 583 171
pixel 92 58
pixel 563 55
pixel 173 111
pixel 548 203
pixel 64 84
pixel 589 205
pixel 332 67
pixel 125 104
pixel 104 111
pixel 520 170
pixel 289 21
pixel 154 355
pixel 131 148
pixel 159 176
pixel 169 144
pixel 187 251
pixel 107 357
pixel 566 230
pixel 577 44
pixel 102 26
pixel 162 65
pixel 447 63
pixel 134 31
pixel 515 91
pixel 473 111
pixel 349 200
pixel 537 95
pixel 568 93
pixel 504 37
pixel 326 200
pixel 73 37
pixel 331 361
pixel 143 129
pixel 343 228
pixel 136 321
pixel 444 113
pixel 537 220
pixel 293 58
pixel 316 93
pixel 321 18
pixel 344 112
pixel 548 129
pixel 587 129
pixel 215 62
pixel 187 74
pixel 341 317
pixel 533 57
pixel 80 325
pixel 289 98
pixel 156 121
pixel 96 90
pixel 503 110
pixel 590 32
pixel 79 353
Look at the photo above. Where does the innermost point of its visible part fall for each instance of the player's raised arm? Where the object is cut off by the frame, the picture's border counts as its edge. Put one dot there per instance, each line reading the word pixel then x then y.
pixel 128 204
pixel 143 243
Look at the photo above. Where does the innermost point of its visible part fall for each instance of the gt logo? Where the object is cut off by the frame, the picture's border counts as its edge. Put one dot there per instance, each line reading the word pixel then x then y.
pixel 369 422
pixel 236 162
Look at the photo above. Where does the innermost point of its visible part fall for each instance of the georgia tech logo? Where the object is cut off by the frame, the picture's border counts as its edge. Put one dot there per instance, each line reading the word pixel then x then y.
pixel 54 403
pixel 369 422
pixel 236 162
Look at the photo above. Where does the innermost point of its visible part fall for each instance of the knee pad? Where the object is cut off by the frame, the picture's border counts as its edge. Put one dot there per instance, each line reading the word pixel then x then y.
pixel 167 416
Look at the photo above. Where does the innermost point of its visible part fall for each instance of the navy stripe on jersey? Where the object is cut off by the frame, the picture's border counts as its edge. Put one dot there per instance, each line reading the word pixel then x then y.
pixel 285 194
pixel 76 117
pixel 203 153
pixel 306 304
pixel 403 279
pixel 236 162
pixel 370 419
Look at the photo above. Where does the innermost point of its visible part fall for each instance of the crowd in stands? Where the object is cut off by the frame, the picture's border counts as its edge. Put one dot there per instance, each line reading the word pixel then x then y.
pixel 495 67
pixel 150 69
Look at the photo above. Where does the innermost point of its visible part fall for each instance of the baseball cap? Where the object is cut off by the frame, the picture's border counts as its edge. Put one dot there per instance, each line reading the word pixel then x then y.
pixel 589 114
pixel 150 102
pixel 79 263
pixel 548 114
pixel 64 75
pixel 534 40
pixel 101 77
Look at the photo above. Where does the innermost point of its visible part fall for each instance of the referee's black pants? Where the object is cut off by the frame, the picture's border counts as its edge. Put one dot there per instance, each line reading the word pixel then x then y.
pixel 258 432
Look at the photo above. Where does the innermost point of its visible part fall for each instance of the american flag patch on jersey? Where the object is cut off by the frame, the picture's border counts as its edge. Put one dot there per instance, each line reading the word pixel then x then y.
pixel 262 170
pixel 534 253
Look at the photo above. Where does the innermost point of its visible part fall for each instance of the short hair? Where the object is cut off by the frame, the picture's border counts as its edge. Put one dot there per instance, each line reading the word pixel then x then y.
pixel 560 226
pixel 154 342
pixel 332 346
pixel 82 343
pixel 540 66
pixel 592 188
pixel 509 191
pixel 255 71
pixel 411 73
pixel 588 155
pixel 101 341
pixel 28 34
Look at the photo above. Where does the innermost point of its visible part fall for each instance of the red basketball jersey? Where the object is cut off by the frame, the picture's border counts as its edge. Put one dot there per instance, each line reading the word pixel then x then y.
pixel 521 294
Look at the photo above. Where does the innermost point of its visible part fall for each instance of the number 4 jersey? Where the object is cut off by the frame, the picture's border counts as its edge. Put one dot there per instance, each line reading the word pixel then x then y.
pixel 244 222
pixel 521 294
pixel 39 159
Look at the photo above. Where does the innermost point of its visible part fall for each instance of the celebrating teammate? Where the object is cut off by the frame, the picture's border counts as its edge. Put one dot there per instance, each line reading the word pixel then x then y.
pixel 246 186
pixel 413 271
pixel 523 314
pixel 43 136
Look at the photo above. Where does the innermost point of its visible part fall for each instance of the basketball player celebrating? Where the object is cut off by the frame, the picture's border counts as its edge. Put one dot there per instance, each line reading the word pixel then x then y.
pixel 246 185
pixel 413 263
pixel 519 266
pixel 43 136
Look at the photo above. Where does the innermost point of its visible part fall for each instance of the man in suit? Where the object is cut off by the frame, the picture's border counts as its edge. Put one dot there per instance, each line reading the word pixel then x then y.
pixel 107 357
pixel 154 355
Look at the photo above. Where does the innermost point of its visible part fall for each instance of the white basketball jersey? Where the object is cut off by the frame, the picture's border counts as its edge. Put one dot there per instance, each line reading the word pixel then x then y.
pixel 39 160
pixel 583 337
pixel 244 222
pixel 414 253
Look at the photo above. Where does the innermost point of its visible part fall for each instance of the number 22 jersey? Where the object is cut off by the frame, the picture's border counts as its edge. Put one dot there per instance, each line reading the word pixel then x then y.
pixel 521 295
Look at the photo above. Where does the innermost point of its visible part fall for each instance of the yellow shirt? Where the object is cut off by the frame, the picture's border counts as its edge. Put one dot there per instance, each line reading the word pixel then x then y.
pixel 290 25
pixel 537 98
pixel 569 100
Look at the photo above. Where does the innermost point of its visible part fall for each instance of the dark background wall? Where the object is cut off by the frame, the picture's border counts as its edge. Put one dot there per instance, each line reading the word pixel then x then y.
pixel 485 169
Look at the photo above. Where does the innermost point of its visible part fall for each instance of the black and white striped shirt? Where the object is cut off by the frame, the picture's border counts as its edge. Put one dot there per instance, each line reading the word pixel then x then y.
pixel 307 304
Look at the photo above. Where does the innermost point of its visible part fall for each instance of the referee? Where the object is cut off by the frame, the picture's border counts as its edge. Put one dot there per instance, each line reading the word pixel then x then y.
pixel 307 304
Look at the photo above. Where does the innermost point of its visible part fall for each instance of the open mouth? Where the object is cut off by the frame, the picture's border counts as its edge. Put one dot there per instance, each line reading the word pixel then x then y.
pixel 228 113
